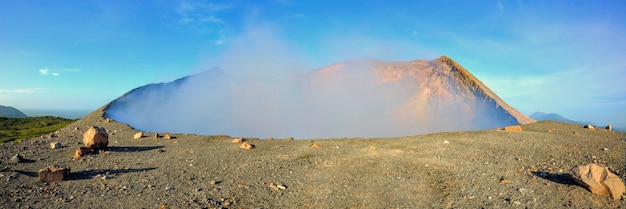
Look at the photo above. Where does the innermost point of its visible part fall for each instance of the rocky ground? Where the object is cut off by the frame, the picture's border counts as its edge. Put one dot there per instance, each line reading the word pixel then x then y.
pixel 489 169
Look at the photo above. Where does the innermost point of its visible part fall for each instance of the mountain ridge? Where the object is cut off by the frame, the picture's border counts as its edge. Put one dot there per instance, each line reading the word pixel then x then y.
pixel 11 112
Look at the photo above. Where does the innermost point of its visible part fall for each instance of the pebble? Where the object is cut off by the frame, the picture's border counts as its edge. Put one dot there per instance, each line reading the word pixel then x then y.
pixel 55 145
pixel 17 158
pixel 522 190
pixel 605 149
pixel 446 142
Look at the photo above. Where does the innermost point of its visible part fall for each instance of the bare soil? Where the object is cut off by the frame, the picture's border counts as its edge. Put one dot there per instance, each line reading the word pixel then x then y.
pixel 488 168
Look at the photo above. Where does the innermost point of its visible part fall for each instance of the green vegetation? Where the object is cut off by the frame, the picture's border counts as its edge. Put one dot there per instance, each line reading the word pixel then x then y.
pixel 18 129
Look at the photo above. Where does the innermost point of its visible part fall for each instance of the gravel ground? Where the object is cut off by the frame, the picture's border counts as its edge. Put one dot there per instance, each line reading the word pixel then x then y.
pixel 488 168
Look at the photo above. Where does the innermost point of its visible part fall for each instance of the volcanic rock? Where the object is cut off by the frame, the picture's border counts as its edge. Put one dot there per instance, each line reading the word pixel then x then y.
pixel 237 140
pixel 138 135
pixel 82 151
pixel 246 145
pixel 54 173
pixel 55 145
pixel 512 128
pixel 589 126
pixel 599 180
pixel 96 138
pixel 316 146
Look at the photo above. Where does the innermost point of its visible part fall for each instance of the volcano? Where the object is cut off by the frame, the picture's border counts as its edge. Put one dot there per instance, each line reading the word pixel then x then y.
pixel 346 99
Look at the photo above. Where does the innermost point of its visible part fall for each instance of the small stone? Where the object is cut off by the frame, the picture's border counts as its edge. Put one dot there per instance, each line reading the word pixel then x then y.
pixel 109 120
pixel 237 140
pixel 246 145
pixel 281 187
pixel 212 182
pixel 17 158
pixel 291 139
pixel 52 135
pixel 54 173
pixel 599 180
pixel 605 149
pixel 316 146
pixel 589 126
pixel 55 145
pixel 446 142
pixel 504 181
pixel 167 137
pixel 82 151
pixel 512 128
pixel 138 135
pixel 522 190
pixel 372 147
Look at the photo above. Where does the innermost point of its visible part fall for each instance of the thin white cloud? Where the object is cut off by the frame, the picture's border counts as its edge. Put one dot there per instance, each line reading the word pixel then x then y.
pixel 500 7
pixel 44 71
pixel 47 71
pixel 198 12
pixel 203 19
pixel 22 91
pixel 72 70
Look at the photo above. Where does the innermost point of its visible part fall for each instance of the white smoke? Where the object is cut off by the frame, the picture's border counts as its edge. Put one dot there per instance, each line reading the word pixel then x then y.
pixel 263 89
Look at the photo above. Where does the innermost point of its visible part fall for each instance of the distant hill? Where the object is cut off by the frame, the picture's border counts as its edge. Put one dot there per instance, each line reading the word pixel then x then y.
pixel 11 112
pixel 539 116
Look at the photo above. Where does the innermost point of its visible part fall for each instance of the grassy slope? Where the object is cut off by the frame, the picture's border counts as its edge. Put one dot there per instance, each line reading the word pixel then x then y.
pixel 22 128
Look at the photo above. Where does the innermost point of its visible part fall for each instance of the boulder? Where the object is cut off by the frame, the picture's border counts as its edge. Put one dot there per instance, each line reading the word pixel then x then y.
pixel 167 136
pixel 512 128
pixel 599 180
pixel 96 138
pixel 246 145
pixel 589 126
pixel 82 151
pixel 54 173
pixel 55 145
pixel 138 135
pixel 609 127
pixel 237 140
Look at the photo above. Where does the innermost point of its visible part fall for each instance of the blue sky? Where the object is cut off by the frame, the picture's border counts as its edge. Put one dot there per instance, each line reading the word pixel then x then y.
pixel 553 56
